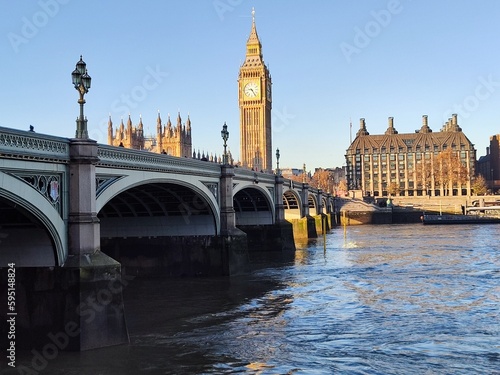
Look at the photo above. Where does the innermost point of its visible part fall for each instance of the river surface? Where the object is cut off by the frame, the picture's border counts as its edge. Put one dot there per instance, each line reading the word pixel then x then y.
pixel 385 299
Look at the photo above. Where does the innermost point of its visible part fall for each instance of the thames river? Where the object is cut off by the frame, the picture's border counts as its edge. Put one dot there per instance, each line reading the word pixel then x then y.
pixel 386 299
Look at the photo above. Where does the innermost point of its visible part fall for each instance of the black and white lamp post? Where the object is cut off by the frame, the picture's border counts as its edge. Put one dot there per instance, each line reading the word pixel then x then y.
pixel 81 81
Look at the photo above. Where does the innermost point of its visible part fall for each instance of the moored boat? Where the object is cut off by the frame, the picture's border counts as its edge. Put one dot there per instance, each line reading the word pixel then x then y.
pixel 458 219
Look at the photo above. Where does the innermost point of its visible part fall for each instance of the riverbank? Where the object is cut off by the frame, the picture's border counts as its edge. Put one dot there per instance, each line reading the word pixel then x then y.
pixel 402 210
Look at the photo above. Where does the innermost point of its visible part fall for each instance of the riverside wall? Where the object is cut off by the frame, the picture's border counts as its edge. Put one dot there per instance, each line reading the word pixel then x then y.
pixel 403 209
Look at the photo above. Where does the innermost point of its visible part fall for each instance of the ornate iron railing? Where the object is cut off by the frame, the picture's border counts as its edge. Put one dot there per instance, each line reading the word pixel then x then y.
pixel 30 145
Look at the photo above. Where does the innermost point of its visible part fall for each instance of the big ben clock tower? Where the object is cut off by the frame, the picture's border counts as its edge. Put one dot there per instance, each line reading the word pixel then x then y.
pixel 254 94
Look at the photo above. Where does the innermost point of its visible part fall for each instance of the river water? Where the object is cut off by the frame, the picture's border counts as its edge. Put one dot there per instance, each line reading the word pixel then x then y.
pixel 385 299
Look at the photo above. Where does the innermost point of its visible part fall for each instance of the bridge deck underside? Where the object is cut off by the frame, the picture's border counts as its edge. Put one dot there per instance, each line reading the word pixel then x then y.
pixel 23 239
pixel 157 210
pixel 252 208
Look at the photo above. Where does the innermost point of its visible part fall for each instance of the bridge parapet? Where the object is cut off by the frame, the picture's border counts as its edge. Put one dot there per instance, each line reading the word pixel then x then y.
pixel 20 144
pixel 117 157
pixel 256 177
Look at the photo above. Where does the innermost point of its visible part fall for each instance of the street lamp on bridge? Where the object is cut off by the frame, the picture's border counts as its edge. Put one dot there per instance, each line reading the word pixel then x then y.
pixel 81 81
pixel 225 136
pixel 277 162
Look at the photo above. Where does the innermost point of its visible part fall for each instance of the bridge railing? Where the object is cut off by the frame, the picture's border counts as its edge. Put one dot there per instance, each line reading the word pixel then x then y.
pixel 119 157
pixel 21 144
pixel 256 177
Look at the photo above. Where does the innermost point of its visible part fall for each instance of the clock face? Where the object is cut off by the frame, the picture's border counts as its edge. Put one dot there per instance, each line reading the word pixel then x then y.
pixel 251 89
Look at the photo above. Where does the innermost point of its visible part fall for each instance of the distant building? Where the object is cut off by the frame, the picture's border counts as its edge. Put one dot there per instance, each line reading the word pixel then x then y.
pixel 409 164
pixel 290 173
pixel 489 165
pixel 338 174
pixel 171 140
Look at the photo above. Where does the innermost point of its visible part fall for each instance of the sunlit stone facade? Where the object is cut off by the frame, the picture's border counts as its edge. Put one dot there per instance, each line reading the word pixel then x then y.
pixel 170 139
pixel 254 94
pixel 410 164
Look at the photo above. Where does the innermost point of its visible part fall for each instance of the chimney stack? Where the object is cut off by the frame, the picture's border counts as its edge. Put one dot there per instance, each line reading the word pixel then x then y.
pixel 424 120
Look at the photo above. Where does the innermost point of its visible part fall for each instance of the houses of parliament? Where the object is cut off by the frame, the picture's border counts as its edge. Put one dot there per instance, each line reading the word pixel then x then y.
pixel 255 103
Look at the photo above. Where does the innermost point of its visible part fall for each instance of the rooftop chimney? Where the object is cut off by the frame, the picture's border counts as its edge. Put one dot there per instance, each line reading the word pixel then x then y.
pixel 424 120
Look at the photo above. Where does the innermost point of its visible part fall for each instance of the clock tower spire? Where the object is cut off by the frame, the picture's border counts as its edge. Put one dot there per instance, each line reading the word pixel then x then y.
pixel 254 96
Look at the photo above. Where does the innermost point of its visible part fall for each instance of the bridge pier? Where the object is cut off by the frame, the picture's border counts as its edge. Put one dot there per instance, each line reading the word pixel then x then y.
pixel 305 227
pixel 233 240
pixel 275 239
pixel 92 280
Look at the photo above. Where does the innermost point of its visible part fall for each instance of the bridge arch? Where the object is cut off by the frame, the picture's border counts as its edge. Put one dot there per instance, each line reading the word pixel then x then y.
pixel 313 203
pixel 292 204
pixel 324 206
pixel 253 205
pixel 139 205
pixel 43 247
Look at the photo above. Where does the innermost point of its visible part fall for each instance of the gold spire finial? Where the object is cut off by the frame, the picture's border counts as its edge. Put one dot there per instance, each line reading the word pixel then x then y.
pixel 253 14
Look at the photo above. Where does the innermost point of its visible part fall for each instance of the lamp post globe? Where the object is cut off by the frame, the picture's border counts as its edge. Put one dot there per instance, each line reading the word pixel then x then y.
pixel 81 81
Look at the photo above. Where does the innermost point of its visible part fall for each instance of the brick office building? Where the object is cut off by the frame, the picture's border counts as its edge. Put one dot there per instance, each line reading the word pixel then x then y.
pixel 411 164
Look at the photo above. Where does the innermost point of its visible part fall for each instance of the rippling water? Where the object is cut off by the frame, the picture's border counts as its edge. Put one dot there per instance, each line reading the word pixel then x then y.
pixel 387 299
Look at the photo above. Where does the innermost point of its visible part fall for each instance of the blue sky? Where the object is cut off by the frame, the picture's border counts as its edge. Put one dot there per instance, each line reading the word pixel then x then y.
pixel 331 62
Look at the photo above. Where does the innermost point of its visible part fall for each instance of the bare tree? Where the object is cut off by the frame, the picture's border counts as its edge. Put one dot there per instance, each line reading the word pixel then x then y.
pixel 449 171
pixel 424 173
pixel 322 179
pixel 479 185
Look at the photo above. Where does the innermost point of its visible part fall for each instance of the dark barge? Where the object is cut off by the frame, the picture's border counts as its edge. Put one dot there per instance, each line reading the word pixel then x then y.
pixel 458 219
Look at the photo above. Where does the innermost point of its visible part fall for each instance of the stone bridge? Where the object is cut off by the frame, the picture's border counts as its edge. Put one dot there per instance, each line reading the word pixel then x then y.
pixel 79 213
